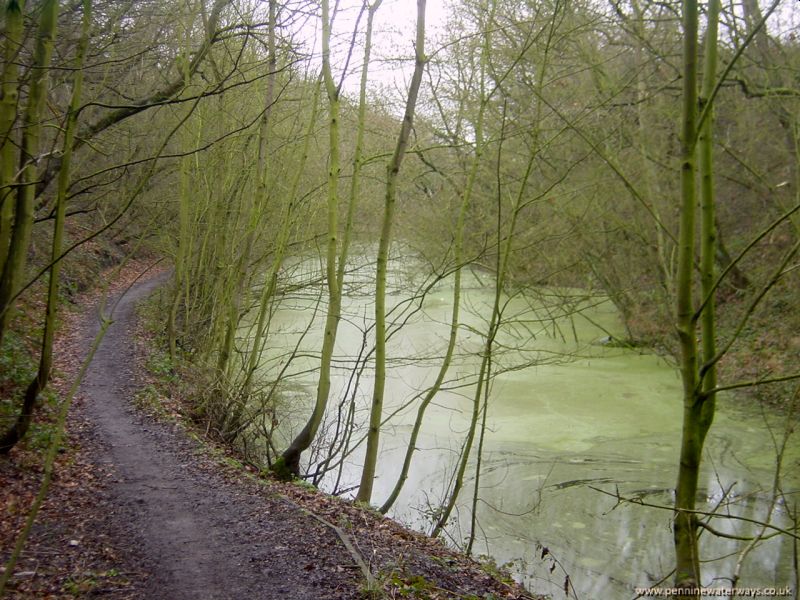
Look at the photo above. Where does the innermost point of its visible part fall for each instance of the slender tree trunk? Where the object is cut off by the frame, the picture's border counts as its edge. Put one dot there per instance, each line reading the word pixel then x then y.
pixel 392 173
pixel 270 283
pixel 476 490
pixel 8 116
pixel 180 259
pixel 184 241
pixel 358 151
pixel 37 386
pixel 458 481
pixel 485 373
pixel 443 369
pixel 699 399
pixel 449 504
pixel 16 263
pixel 651 187
pixel 697 409
pixel 289 463
pixel 233 419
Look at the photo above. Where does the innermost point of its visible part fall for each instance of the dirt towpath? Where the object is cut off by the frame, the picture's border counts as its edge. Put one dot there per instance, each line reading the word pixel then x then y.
pixel 197 534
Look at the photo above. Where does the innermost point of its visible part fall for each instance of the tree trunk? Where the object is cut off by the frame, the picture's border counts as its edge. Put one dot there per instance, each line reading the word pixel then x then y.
pixel 37 386
pixel 358 151
pixel 392 172
pixel 271 281
pixel 698 408
pixel 16 263
pixel 458 480
pixel 289 463
pixel 8 116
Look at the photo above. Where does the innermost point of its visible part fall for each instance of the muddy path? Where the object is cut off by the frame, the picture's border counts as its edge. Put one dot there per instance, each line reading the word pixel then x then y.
pixel 190 530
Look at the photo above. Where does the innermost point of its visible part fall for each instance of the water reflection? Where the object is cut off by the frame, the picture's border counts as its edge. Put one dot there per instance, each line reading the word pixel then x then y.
pixel 580 422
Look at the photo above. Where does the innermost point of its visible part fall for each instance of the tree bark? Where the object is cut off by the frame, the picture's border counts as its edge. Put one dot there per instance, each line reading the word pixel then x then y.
pixel 16 263
pixel 698 408
pixel 384 244
pixel 289 463
pixel 8 115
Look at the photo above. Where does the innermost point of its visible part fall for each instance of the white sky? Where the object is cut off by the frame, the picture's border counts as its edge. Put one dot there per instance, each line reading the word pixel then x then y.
pixel 393 39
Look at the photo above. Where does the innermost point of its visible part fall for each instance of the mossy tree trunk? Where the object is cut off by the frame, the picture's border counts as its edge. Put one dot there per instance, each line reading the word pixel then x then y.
pixel 16 262
pixel 384 245
pixel 287 221
pixel 8 116
pixel 479 149
pixel 37 386
pixel 289 463
pixel 685 527
pixel 698 385
pixel 181 279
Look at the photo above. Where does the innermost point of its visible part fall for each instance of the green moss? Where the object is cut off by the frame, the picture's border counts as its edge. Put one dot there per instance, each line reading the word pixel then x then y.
pixel 281 471
pixel 160 365
pixel 498 572
pixel 17 369
pixel 413 586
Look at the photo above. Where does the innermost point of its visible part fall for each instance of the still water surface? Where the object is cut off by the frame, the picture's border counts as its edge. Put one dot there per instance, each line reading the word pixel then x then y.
pixel 578 418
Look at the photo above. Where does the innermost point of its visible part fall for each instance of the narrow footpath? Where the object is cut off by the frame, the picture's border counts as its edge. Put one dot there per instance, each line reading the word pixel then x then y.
pixel 199 536
pixel 140 510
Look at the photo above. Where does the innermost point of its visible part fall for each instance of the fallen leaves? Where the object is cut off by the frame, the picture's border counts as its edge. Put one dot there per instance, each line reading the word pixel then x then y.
pixel 67 554
pixel 74 552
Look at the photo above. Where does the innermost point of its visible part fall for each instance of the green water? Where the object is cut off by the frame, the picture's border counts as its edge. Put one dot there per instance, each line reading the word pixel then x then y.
pixel 579 417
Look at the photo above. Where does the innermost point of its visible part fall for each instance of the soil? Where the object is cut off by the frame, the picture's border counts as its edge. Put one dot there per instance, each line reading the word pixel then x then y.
pixel 145 508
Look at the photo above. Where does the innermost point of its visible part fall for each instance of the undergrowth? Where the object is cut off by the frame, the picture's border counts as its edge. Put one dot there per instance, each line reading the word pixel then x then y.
pixel 18 367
